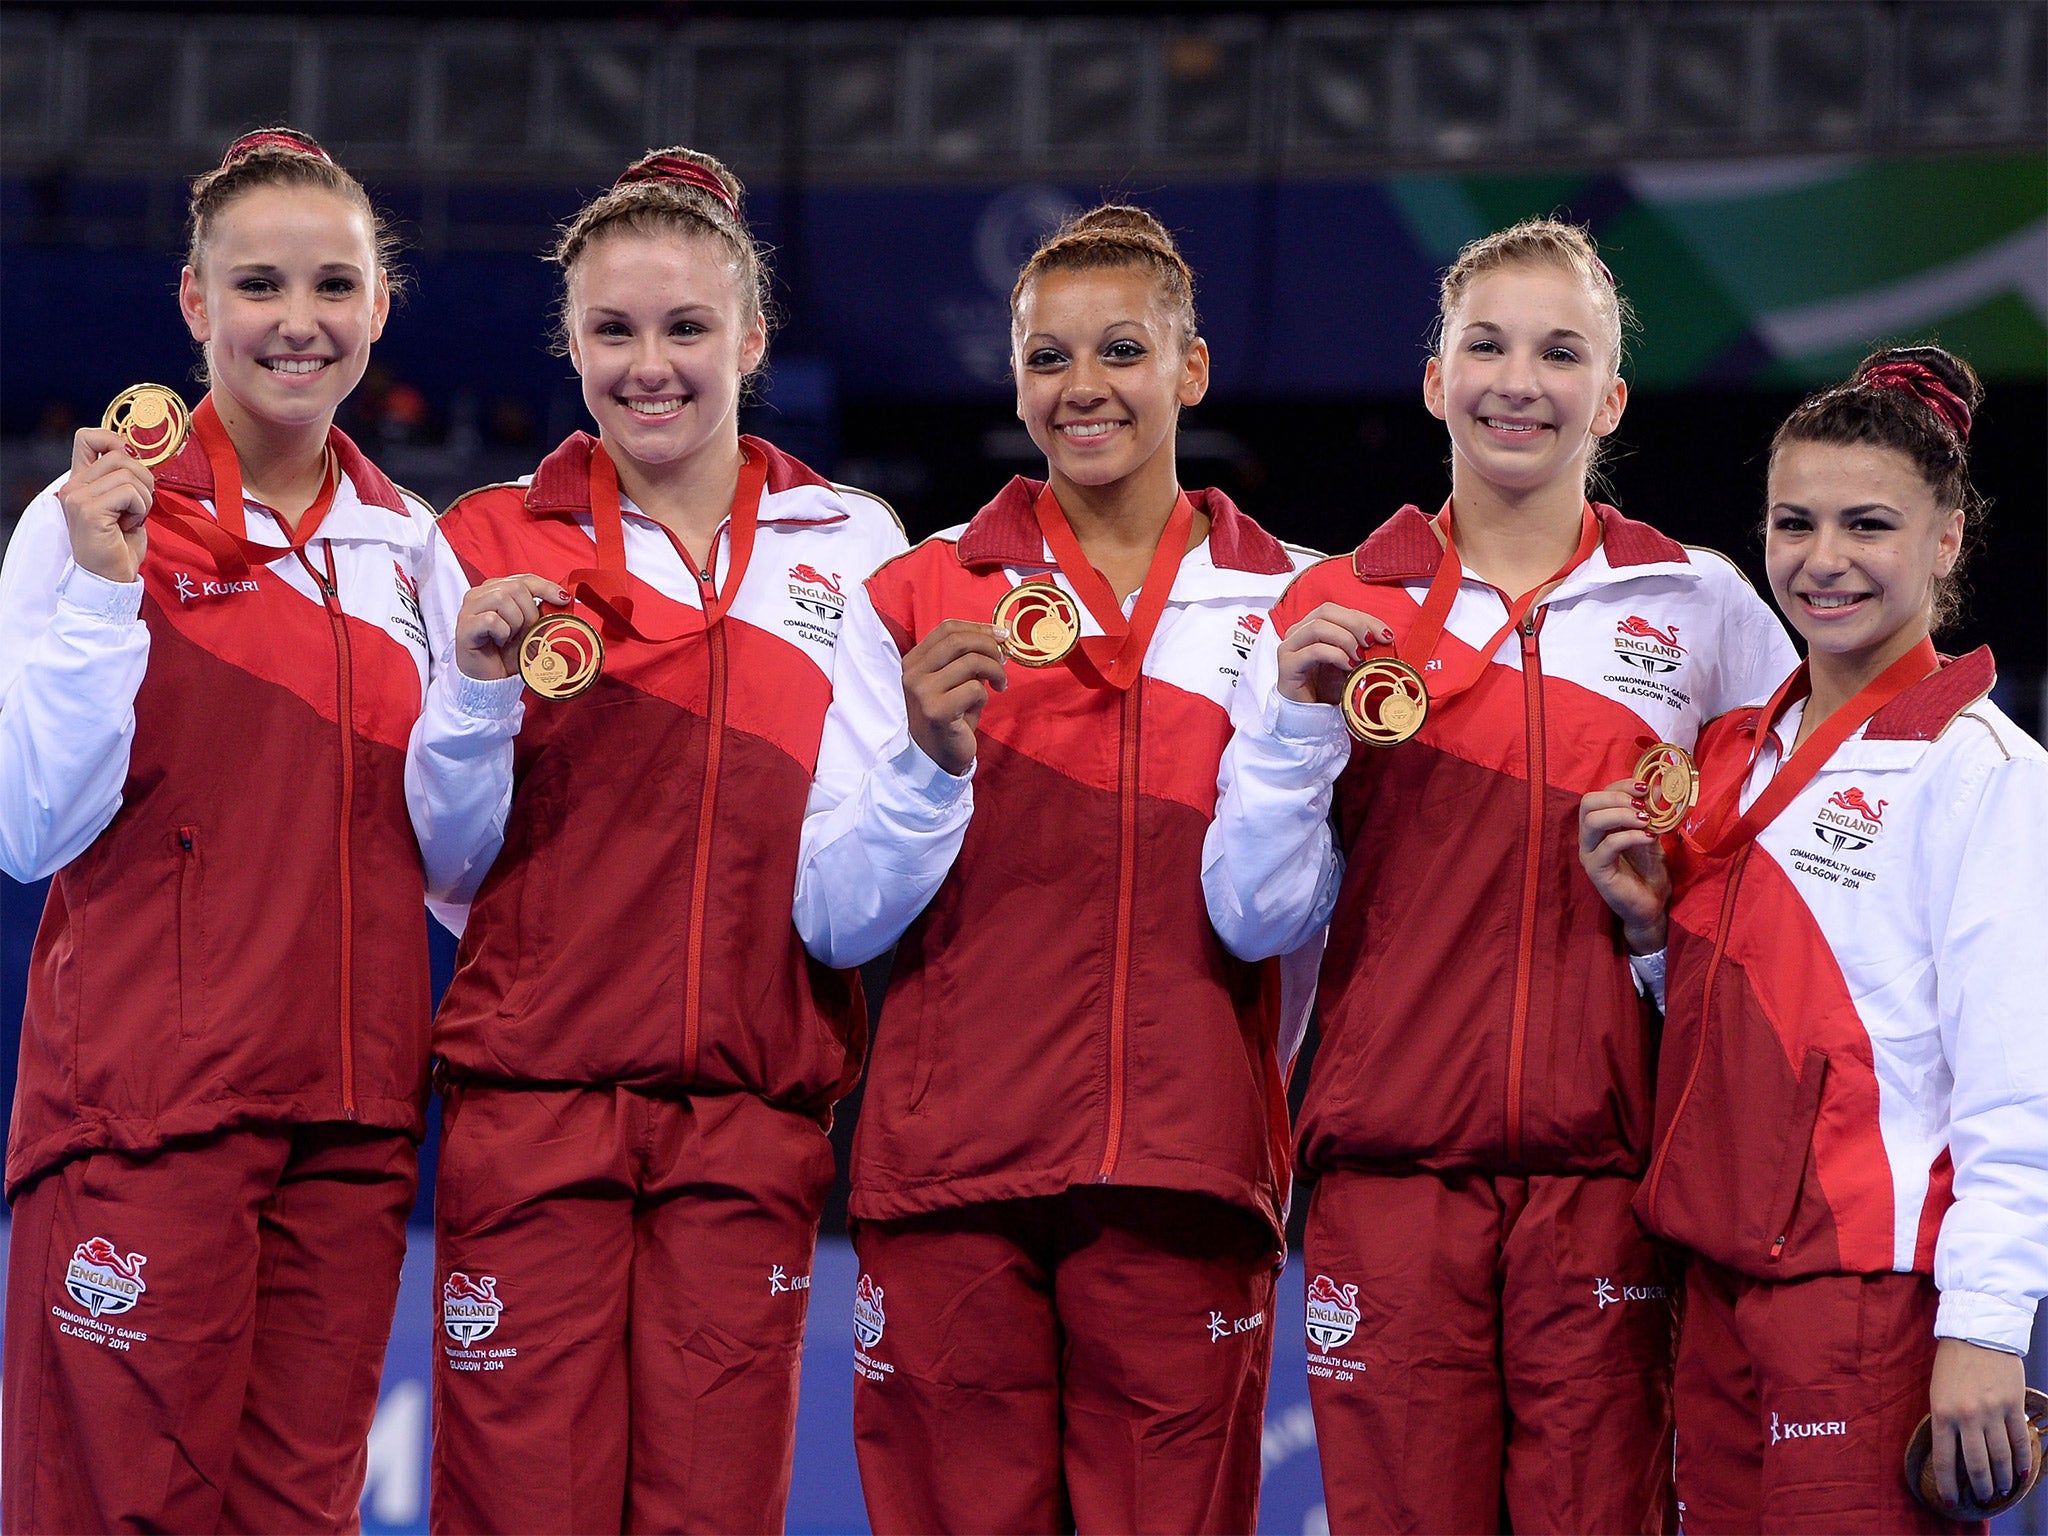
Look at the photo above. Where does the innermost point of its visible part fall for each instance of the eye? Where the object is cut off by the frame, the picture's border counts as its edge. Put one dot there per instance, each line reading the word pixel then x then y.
pixel 1045 357
pixel 1123 351
pixel 688 330
pixel 1789 522
pixel 256 287
pixel 1483 346
pixel 1561 355
pixel 338 287
pixel 1868 523
pixel 611 330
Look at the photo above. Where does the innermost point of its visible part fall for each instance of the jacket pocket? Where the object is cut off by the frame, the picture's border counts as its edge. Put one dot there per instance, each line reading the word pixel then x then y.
pixel 191 936
pixel 1791 1181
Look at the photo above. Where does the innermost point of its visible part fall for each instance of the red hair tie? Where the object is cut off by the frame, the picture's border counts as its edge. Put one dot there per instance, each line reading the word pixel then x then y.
pixel 276 138
pixel 1602 266
pixel 1927 386
pixel 688 172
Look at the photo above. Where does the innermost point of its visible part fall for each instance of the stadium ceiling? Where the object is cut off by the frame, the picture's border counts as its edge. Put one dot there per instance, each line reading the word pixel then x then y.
pixel 1280 93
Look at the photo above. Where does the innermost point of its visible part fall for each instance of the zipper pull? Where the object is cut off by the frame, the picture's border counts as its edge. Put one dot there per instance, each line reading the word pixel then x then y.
pixel 1778 1247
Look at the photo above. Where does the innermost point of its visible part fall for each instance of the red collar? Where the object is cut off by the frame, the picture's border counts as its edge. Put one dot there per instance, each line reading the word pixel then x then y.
pixel 189 472
pixel 1005 532
pixel 1405 548
pixel 1925 710
pixel 561 485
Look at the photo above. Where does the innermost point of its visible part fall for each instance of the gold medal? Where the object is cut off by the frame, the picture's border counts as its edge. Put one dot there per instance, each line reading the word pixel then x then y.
pixel 1672 785
pixel 1043 622
pixel 1920 1468
pixel 561 656
pixel 1384 701
pixel 151 420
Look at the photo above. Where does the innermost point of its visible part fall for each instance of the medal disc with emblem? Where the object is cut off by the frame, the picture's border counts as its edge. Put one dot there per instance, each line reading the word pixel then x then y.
pixel 151 420
pixel 1043 622
pixel 1671 783
pixel 561 656
pixel 1384 701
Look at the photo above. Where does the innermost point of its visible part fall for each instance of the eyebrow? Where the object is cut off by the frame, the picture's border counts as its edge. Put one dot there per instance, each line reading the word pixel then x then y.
pixel 1562 332
pixel 1046 337
pixel 266 268
pixel 1856 511
pixel 680 309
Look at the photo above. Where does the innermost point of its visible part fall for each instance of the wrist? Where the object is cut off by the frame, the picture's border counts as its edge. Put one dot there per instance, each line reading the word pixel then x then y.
pixel 1647 938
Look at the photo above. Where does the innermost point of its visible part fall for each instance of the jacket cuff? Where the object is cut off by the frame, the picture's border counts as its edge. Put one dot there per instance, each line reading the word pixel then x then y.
pixel 493 699
pixel 1308 725
pixel 1990 1321
pixel 920 786
pixel 111 602
pixel 1648 971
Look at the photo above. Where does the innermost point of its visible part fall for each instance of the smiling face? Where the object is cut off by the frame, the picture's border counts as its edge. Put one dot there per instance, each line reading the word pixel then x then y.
pixel 1101 371
pixel 287 299
pixel 662 334
pixel 1525 378
pixel 1854 542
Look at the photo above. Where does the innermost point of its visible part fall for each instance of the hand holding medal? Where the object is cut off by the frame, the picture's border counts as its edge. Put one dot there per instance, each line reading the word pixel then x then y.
pixel 504 626
pixel 109 492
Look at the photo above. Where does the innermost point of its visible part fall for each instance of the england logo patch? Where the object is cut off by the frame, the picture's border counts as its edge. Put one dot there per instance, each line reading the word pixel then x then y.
pixel 1332 1313
pixel 868 1317
pixel 470 1308
pixel 102 1281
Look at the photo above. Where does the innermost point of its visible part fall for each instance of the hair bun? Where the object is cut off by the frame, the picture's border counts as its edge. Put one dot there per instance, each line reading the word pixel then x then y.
pixel 685 167
pixel 289 140
pixel 1936 377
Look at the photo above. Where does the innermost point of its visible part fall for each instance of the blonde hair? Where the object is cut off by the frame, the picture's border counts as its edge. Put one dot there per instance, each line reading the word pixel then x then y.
pixel 1537 242
pixel 1116 235
pixel 647 200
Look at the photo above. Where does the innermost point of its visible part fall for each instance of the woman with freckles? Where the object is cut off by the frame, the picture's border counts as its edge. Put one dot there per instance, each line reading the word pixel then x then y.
pixel 638 1059
pixel 1070 1174
pixel 208 671
pixel 1489 1330
pixel 1852 1117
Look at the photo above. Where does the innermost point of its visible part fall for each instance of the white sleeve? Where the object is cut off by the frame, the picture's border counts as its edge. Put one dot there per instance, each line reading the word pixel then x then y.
pixel 458 765
pixel 1270 866
pixel 1991 973
pixel 1648 971
pixel 1755 654
pixel 884 822
pixel 73 649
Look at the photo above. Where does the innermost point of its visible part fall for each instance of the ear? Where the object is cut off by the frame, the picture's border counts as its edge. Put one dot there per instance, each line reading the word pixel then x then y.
pixel 192 304
pixel 1949 549
pixel 1194 374
pixel 755 346
pixel 1608 416
pixel 380 307
pixel 1433 387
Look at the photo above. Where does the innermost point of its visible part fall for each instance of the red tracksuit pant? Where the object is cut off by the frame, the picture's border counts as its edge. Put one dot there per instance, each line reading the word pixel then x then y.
pixel 1095 1361
pixel 1492 1353
pixel 195 1337
pixel 1795 1401
pixel 623 1281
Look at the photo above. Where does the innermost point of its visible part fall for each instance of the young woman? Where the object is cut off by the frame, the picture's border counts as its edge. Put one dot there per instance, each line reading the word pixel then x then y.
pixel 207 677
pixel 1495 1330
pixel 1070 1173
pixel 639 1060
pixel 1853 1108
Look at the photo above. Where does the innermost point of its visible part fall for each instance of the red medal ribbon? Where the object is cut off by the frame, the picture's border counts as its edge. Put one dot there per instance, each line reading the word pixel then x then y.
pixel 1418 646
pixel 1797 771
pixel 1118 653
pixel 225 535
pixel 604 587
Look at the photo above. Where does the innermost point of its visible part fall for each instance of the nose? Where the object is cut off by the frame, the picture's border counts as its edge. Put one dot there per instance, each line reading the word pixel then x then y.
pixel 1517 377
pixel 1828 554
pixel 1085 385
pixel 649 366
pixel 300 323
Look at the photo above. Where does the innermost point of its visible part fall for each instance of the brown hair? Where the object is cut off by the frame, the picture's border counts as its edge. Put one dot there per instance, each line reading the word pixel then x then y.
pixel 282 157
pixel 1115 235
pixel 1919 401
pixel 669 190
pixel 1537 242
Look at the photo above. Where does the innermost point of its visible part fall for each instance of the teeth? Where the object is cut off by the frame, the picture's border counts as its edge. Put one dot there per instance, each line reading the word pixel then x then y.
pixel 654 407
pixel 1513 426
pixel 1832 600
pixel 296 364
pixel 1088 428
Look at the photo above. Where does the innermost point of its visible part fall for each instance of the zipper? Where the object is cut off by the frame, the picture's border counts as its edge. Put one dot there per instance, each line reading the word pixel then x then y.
pixel 345 697
pixel 1126 900
pixel 707 809
pixel 1657 1166
pixel 1532 856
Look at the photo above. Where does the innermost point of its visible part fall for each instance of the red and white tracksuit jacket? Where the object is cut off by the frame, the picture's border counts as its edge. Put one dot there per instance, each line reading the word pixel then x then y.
pixel 233 935
pixel 1855 1072
pixel 1477 1009
pixel 1061 1012
pixel 626 859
